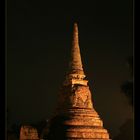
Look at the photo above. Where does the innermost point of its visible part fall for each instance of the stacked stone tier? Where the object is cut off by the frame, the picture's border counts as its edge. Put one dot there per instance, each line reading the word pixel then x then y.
pixel 80 124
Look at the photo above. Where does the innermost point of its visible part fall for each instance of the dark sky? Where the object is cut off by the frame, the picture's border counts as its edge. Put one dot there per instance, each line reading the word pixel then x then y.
pixel 39 36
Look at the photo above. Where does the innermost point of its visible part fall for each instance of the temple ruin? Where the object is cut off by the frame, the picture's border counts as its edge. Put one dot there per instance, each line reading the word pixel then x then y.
pixel 75 117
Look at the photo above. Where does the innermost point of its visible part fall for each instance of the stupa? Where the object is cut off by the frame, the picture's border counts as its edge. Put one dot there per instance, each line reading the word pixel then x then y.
pixel 75 117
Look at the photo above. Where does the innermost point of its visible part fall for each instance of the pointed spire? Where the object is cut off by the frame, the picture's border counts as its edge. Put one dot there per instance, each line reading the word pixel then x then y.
pixel 75 65
pixel 75 73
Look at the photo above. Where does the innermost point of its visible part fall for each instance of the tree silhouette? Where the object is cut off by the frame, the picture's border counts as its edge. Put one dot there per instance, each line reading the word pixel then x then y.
pixel 127 86
pixel 126 130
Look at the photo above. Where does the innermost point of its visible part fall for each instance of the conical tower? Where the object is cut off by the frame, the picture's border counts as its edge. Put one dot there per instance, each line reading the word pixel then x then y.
pixel 75 74
pixel 75 117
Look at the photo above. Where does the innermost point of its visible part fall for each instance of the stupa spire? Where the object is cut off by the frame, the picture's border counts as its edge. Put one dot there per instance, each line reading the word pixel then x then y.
pixel 75 65
pixel 75 73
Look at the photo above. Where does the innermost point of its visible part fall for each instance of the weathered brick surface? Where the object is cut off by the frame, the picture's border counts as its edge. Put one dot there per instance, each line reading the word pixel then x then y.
pixel 28 133
pixel 76 115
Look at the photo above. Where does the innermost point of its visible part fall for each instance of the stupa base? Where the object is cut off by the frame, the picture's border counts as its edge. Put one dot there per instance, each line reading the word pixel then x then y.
pixel 77 124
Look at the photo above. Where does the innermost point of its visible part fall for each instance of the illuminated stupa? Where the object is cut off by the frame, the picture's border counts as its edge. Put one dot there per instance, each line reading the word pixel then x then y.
pixel 75 117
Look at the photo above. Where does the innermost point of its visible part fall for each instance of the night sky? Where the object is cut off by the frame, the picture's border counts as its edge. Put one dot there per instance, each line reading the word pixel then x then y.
pixel 39 38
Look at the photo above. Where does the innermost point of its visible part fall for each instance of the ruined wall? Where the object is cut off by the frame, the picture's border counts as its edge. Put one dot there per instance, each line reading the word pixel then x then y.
pixel 28 133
